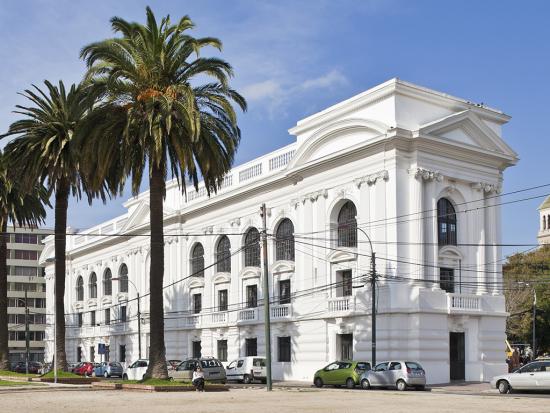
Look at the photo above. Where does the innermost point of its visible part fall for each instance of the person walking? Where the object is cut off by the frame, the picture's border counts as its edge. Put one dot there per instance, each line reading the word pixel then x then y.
pixel 198 379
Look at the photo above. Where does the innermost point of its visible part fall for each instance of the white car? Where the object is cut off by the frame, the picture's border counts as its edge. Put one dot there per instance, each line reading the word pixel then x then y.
pixel 247 369
pixel 532 376
pixel 136 370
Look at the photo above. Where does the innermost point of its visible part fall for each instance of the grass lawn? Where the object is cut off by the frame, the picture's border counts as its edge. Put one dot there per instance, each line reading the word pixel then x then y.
pixel 62 374
pixel 4 383
pixel 14 374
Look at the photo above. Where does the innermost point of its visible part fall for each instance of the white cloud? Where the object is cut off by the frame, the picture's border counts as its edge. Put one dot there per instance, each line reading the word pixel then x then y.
pixel 268 89
pixel 332 78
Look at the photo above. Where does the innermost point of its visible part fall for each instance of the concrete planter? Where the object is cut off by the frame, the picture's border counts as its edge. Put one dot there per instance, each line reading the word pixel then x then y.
pixel 156 388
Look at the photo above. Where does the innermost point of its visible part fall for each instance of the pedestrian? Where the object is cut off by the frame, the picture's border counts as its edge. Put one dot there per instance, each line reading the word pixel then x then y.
pixel 198 379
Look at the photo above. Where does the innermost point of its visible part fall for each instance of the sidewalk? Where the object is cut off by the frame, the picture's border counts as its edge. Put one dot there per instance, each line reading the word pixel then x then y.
pixel 462 387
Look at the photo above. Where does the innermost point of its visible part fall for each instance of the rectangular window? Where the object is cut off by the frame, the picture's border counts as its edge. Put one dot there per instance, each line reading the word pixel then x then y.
pixel 197 303
pixel 92 318
pixel 447 279
pixel 122 353
pixel 40 303
pixel 107 316
pixel 197 349
pixel 20 271
pixel 222 300
pixel 92 354
pixel 123 313
pixel 251 296
pixel 283 348
pixel 79 354
pixel 79 315
pixel 251 345
pixel 25 255
pixel 222 350
pixel 346 283
pixel 284 292
pixel 26 239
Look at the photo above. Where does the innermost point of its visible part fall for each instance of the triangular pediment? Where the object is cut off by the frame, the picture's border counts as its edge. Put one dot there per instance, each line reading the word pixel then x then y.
pixel 138 217
pixel 466 128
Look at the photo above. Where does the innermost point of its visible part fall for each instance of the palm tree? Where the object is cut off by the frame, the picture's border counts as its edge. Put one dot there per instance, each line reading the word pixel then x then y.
pixel 157 118
pixel 45 149
pixel 21 208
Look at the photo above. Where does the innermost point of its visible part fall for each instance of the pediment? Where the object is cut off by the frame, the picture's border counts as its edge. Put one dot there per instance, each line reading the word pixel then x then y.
pixel 468 129
pixel 282 267
pixel 196 282
pixel 250 272
pixel 335 138
pixel 222 277
pixel 140 216
pixel 342 255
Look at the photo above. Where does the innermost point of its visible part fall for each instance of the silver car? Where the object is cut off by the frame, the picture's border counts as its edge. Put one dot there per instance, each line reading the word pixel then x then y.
pixel 212 368
pixel 532 376
pixel 400 374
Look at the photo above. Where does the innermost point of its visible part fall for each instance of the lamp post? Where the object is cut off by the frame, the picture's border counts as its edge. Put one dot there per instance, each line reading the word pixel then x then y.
pixel 534 317
pixel 267 316
pixel 138 311
pixel 52 260
pixel 26 332
pixel 373 297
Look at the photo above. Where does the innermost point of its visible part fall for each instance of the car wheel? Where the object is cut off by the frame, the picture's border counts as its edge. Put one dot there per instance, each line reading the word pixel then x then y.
pixel 124 377
pixel 401 385
pixel 350 383
pixel 421 388
pixel 106 375
pixel 365 384
pixel 503 387
pixel 171 378
pixel 318 382
pixel 247 379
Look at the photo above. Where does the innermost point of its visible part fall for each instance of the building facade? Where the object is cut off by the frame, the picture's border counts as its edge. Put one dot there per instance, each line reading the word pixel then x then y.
pixel 544 217
pixel 415 171
pixel 26 288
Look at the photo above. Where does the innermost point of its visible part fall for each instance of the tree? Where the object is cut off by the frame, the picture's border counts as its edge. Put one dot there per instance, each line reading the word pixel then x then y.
pixel 21 208
pixel 522 273
pixel 45 149
pixel 156 118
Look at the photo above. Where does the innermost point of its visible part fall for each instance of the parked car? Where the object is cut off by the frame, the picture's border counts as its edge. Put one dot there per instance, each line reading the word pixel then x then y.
pixel 212 368
pixel 109 369
pixel 172 364
pixel 136 370
pixel 339 373
pixel 34 367
pixel 85 368
pixel 399 374
pixel 247 369
pixel 532 376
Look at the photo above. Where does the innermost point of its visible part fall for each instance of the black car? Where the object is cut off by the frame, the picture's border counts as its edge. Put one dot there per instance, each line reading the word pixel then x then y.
pixel 34 367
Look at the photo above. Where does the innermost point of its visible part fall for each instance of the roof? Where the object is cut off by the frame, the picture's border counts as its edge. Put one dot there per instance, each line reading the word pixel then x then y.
pixel 545 204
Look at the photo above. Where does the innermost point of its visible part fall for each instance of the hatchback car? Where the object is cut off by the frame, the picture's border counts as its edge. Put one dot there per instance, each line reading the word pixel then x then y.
pixel 212 368
pixel 399 374
pixel 136 371
pixel 84 369
pixel 108 369
pixel 532 376
pixel 341 373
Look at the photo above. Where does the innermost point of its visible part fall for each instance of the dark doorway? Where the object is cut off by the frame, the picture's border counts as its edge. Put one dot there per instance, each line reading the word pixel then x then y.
pixel 457 356
pixel 197 349
pixel 346 346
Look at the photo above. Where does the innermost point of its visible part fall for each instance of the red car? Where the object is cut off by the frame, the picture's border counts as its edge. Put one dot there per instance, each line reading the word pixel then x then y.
pixel 84 369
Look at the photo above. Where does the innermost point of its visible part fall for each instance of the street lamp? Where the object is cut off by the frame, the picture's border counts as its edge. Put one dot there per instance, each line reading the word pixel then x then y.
pixel 26 332
pixel 138 311
pixel 373 297
pixel 534 316
pixel 50 260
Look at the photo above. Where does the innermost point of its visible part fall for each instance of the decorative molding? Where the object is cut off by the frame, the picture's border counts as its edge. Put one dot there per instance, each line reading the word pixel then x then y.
pixel 294 202
pixel 426 174
pixel 235 222
pixel 487 187
pixel 208 230
pixel 372 178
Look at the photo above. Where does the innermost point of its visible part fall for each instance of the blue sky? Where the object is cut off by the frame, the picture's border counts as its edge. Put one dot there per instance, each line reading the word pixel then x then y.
pixel 293 58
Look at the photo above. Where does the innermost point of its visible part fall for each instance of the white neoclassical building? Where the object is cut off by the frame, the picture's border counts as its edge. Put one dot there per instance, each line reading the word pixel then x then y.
pixel 544 231
pixel 417 171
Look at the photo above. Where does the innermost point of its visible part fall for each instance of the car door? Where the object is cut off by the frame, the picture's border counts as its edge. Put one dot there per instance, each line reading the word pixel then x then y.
pixel 394 373
pixel 330 373
pixel 377 376
pixel 544 376
pixel 185 370
pixel 343 372
pixel 258 367
pixel 525 377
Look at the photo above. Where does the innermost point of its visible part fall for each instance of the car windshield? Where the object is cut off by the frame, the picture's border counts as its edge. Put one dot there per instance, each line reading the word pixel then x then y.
pixel 413 366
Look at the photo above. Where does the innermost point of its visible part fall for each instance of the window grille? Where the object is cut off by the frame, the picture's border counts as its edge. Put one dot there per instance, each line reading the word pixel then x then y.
pixel 197 261
pixel 252 248
pixel 123 282
pixel 347 226
pixel 284 241
pixel 223 255
pixel 446 222
pixel 107 283
pixel 92 285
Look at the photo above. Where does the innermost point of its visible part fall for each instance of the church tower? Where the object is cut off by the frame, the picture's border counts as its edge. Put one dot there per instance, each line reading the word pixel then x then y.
pixel 544 232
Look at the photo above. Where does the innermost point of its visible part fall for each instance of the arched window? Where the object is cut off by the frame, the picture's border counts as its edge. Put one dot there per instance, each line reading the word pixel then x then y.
pixel 284 241
pixel 347 225
pixel 446 222
pixel 123 279
pixel 92 285
pixel 197 261
pixel 544 222
pixel 107 283
pixel 252 248
pixel 223 255
pixel 79 289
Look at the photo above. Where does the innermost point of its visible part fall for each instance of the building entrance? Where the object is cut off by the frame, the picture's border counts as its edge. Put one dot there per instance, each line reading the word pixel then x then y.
pixel 457 356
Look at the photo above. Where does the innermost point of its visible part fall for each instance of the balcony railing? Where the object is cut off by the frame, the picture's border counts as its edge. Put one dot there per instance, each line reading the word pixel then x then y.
pixel 192 320
pixel 463 302
pixel 249 314
pixel 219 318
pixel 281 311
pixel 341 304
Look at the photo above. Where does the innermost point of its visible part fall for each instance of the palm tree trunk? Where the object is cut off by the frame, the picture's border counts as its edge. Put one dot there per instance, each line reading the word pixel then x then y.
pixel 4 351
pixel 157 353
pixel 61 205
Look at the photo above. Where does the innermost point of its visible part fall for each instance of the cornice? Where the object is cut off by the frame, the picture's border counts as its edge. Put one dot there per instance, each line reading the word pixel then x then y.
pixel 372 178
